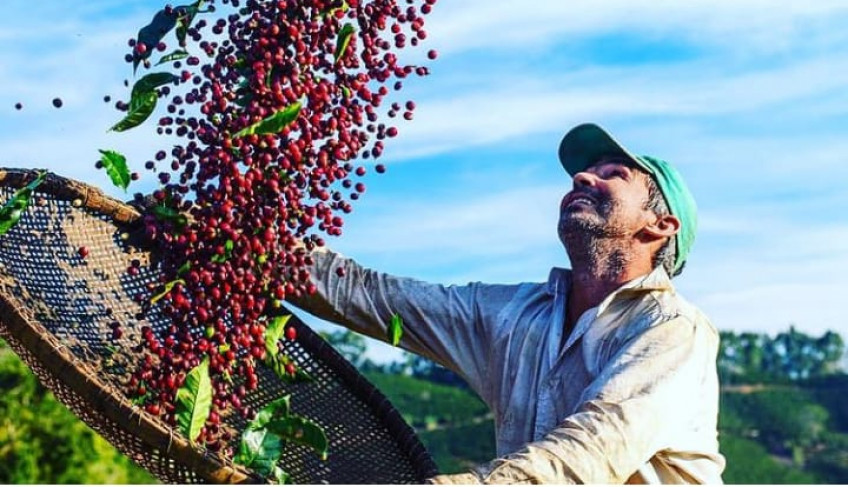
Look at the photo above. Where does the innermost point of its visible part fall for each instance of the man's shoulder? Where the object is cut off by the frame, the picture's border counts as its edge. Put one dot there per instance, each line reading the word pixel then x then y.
pixel 668 304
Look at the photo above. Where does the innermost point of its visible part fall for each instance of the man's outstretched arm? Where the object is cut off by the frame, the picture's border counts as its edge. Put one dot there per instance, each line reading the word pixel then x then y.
pixel 644 401
pixel 453 325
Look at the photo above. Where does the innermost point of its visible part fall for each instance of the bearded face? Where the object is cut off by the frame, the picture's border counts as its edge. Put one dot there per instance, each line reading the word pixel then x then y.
pixel 607 202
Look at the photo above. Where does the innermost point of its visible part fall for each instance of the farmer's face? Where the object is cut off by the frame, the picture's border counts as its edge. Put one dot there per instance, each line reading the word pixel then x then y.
pixel 608 200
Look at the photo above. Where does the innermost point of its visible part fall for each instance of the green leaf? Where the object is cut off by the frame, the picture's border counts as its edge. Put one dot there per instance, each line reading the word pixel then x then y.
pixel 259 449
pixel 343 41
pixel 168 287
pixel 228 252
pixel 184 268
pixel 150 82
pixel 279 408
pixel 12 211
pixel 184 21
pixel 274 332
pixel 115 165
pixel 143 100
pixel 194 401
pixel 173 56
pixel 395 329
pixel 344 8
pixel 280 476
pixel 141 107
pixel 277 363
pixel 301 375
pixel 244 101
pixel 166 213
pixel 273 123
pixel 151 34
pixel 302 431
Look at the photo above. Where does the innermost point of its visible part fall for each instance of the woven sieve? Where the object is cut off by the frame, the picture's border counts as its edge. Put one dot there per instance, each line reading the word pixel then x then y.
pixel 57 311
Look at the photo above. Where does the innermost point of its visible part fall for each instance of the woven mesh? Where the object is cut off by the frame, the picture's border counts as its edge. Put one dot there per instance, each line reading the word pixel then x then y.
pixel 58 312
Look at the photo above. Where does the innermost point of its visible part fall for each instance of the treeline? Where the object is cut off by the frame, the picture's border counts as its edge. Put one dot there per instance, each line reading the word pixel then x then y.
pixel 790 356
pixel 352 347
pixel 744 358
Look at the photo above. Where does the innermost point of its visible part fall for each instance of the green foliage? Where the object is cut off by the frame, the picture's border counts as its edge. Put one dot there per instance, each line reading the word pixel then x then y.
pixel 41 442
pixel 789 356
pixel 350 345
pixel 456 449
pixel 419 400
pixel 259 449
pixel 782 418
pixel 395 331
pixel 116 167
pixel 748 462
pixel 273 123
pixel 799 426
pixel 13 209
pixel 343 41
pixel 194 401
pixel 453 423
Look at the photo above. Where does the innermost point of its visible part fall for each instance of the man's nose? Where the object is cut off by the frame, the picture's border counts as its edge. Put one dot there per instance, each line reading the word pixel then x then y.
pixel 584 178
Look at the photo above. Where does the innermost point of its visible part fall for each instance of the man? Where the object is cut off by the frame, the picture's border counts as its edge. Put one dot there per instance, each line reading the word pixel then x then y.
pixel 602 374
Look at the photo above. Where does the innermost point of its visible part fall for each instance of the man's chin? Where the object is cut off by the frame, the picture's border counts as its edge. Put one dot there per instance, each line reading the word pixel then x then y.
pixel 580 224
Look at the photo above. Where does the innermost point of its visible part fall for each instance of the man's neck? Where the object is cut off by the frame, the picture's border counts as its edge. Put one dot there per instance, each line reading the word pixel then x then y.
pixel 596 274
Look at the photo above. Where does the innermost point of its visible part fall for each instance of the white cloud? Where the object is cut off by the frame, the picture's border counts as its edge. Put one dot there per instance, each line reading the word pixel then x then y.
pixel 505 223
pixel 512 106
pixel 508 25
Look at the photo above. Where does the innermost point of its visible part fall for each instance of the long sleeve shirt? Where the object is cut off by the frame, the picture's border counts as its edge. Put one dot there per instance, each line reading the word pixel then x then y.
pixel 630 395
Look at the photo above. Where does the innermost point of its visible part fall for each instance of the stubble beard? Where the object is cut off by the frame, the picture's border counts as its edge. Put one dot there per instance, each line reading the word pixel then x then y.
pixel 590 239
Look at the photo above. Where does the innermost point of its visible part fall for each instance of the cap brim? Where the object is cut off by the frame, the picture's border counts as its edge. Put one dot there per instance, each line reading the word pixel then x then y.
pixel 586 144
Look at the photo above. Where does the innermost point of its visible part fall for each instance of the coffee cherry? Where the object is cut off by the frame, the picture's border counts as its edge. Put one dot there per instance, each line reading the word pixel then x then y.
pixel 82 252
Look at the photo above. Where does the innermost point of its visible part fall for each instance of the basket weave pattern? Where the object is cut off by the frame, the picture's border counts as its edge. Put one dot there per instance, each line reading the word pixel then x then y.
pixel 58 311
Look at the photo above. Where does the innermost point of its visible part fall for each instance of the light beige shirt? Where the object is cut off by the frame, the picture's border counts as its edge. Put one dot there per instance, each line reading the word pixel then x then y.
pixel 631 395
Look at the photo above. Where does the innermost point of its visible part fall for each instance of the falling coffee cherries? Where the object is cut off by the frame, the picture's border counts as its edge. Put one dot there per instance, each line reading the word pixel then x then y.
pixel 272 108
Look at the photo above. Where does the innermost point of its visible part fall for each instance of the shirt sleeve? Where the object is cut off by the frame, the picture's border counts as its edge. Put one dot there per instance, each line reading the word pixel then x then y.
pixel 452 325
pixel 639 401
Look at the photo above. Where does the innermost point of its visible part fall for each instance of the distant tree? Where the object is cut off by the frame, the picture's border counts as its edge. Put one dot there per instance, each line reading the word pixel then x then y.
pixel 350 345
pixel 789 356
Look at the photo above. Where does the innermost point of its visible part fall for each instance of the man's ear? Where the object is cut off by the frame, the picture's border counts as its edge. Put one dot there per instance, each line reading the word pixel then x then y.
pixel 664 226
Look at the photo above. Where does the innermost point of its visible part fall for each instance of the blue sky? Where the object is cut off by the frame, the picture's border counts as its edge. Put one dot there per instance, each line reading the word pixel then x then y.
pixel 748 99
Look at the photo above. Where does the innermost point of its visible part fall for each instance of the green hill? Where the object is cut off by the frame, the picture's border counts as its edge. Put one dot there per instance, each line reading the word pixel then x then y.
pixel 770 434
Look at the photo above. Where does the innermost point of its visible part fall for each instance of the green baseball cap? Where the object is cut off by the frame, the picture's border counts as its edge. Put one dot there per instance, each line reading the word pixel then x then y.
pixel 586 144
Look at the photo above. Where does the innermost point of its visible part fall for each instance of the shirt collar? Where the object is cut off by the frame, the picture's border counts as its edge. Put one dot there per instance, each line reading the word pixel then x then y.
pixel 559 282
